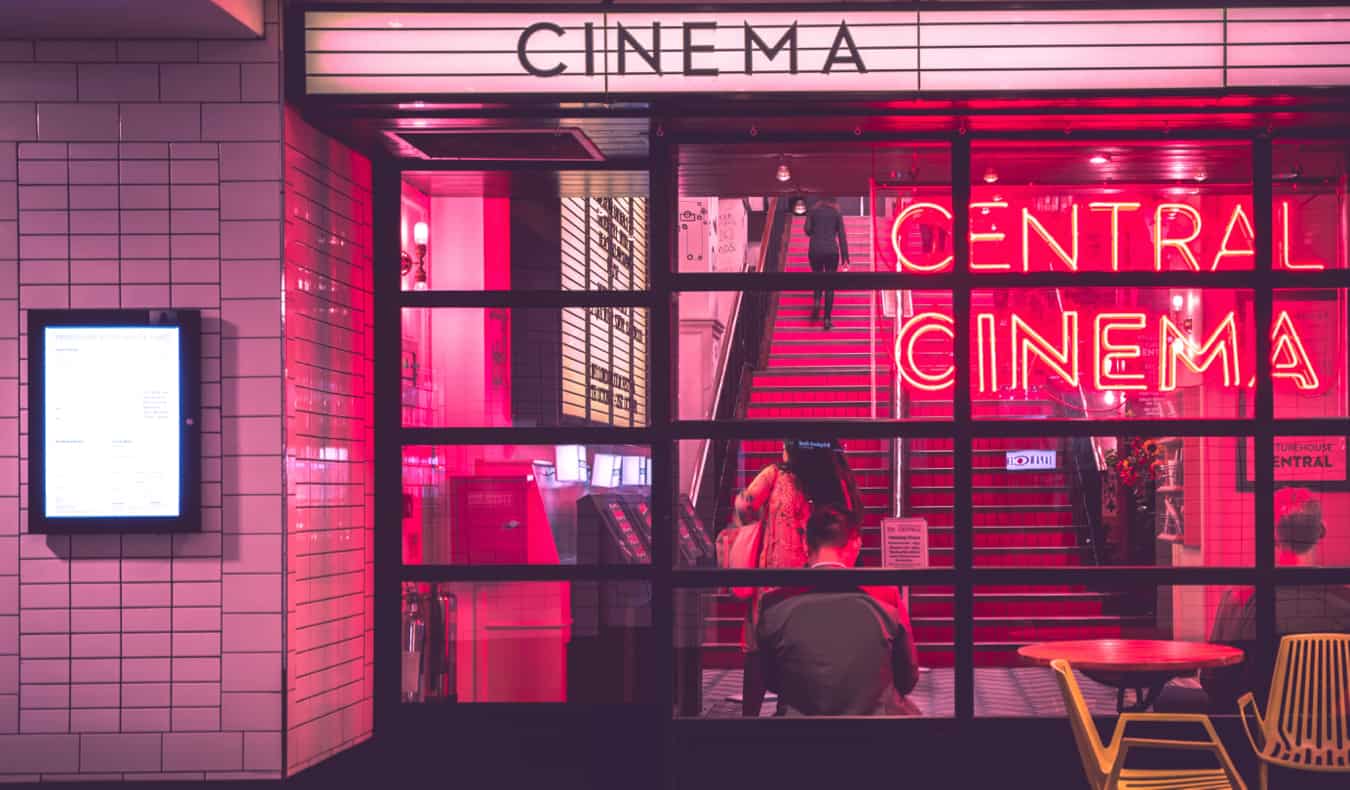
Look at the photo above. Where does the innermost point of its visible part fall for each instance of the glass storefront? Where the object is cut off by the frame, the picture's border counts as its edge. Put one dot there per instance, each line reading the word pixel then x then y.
pixel 1073 393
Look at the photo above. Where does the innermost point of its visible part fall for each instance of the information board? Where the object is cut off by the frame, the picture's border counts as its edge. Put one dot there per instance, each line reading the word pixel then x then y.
pixel 904 543
pixel 113 424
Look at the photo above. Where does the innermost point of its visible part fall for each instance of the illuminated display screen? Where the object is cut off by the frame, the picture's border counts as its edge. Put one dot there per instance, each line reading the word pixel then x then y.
pixel 113 431
pixel 604 357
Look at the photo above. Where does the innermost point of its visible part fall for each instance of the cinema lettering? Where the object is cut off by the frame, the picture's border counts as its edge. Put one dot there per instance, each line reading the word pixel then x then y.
pixel 1110 232
pixel 1102 352
pixel 639 49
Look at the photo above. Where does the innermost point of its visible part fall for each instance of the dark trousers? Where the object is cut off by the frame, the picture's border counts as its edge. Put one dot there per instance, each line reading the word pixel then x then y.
pixel 820 264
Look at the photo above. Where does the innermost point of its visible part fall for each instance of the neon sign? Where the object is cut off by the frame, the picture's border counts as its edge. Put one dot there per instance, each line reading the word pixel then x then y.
pixel 1116 348
pixel 1043 232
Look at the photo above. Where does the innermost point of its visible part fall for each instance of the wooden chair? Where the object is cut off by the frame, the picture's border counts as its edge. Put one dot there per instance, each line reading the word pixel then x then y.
pixel 1307 721
pixel 1105 765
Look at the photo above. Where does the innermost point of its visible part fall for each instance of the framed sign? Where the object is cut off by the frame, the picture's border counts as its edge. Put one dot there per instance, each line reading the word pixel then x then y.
pixel 114 421
pixel 1031 460
pixel 1314 462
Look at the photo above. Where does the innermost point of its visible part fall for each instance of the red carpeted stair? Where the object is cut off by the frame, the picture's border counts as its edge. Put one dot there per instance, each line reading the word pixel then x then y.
pixel 1020 519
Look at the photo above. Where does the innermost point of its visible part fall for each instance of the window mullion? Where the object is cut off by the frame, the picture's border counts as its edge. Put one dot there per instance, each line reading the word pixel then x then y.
pixel 962 442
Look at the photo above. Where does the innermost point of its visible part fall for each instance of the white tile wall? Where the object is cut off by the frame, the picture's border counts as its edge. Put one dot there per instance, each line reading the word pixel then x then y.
pixel 328 606
pixel 147 173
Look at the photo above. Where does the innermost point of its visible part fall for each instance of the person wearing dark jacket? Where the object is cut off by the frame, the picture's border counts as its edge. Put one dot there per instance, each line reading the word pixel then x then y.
pixel 1319 608
pixel 1302 609
pixel 846 653
pixel 828 245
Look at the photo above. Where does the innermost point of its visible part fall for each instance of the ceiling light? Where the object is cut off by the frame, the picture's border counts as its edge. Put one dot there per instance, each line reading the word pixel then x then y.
pixel 1100 159
pixel 784 173
pixel 1177 302
pixel 799 206
pixel 990 177
pixel 1201 176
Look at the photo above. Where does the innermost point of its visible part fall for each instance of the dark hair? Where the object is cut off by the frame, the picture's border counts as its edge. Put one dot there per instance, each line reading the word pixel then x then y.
pixel 1301 528
pixel 829 526
pixel 823 475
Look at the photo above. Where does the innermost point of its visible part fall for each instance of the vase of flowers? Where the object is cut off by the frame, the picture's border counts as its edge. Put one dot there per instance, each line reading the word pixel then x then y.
pixel 1137 463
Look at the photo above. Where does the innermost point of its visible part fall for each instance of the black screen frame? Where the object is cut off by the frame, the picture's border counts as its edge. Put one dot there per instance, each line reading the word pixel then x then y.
pixel 189 518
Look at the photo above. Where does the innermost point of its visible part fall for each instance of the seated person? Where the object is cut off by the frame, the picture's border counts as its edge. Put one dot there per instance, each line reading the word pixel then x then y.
pixel 847 653
pixel 1299 530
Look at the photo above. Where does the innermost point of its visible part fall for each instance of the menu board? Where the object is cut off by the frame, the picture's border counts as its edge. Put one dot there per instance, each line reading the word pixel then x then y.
pixel 112 441
pixel 604 349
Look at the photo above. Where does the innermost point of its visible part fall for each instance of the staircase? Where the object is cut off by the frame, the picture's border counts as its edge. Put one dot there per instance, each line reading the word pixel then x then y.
pixel 1020 518
pixel 817 374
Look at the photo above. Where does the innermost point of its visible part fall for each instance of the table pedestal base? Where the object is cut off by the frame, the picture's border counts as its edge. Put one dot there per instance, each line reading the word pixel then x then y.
pixel 1146 685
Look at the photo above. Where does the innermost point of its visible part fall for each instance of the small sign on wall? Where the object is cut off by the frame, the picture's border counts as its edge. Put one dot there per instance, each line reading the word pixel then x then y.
pixel 904 543
pixel 1031 460
pixel 1316 462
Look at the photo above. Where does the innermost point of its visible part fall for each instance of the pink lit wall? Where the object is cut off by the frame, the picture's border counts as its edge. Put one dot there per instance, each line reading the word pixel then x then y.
pixel 329 447
pixel 147 173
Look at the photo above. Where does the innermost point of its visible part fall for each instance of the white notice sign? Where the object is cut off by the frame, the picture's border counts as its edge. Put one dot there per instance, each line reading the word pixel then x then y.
pixel 904 543
pixel 112 433
pixel 1031 460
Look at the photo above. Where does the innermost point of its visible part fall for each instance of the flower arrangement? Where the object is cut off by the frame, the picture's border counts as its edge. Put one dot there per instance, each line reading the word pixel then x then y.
pixel 1137 462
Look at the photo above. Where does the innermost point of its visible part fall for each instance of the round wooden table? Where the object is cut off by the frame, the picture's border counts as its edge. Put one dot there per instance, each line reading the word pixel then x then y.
pixel 1139 664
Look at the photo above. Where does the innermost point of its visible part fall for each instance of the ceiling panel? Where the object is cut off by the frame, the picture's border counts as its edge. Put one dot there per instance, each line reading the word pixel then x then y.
pixel 565 183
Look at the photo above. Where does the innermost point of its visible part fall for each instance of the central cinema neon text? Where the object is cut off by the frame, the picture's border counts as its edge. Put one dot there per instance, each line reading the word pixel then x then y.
pixel 1095 235
pixel 1104 352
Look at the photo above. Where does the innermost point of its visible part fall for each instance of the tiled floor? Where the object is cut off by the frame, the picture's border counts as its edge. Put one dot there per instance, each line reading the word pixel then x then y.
pixel 999 691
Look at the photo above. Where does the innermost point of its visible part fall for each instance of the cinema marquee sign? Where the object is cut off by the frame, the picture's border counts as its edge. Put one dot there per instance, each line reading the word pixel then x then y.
pixel 631 52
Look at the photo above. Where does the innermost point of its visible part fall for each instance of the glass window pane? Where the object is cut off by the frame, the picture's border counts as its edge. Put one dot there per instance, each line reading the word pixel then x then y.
pixel 1307 609
pixel 1312 500
pixel 814 651
pixel 552 231
pixel 1308 353
pixel 1070 622
pixel 535 367
pixel 1097 353
pixel 1311 218
pixel 772 356
pixel 584 642
pixel 744 207
pixel 519 505
pixel 1111 500
pixel 900 485
pixel 1039 207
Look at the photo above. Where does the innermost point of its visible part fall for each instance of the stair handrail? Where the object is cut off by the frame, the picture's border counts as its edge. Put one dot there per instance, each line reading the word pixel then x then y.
pixel 769 252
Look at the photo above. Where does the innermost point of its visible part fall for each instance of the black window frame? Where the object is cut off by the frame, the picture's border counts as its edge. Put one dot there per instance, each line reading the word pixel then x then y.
pixel 664 429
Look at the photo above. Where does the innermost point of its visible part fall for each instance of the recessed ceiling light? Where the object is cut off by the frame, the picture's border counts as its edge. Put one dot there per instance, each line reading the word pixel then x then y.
pixel 990 176
pixel 1099 159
